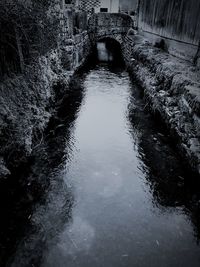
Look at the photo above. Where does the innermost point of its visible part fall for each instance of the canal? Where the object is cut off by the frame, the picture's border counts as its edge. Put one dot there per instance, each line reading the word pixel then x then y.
pixel 118 193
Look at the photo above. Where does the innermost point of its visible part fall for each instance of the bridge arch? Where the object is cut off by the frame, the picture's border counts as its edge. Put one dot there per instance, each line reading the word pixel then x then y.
pixel 109 39
pixel 109 25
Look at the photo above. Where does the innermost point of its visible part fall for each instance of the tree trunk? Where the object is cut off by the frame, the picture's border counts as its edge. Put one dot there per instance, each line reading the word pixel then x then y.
pixel 19 48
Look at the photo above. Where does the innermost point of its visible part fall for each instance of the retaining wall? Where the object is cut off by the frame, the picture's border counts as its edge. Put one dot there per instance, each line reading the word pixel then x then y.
pixel 27 101
pixel 171 87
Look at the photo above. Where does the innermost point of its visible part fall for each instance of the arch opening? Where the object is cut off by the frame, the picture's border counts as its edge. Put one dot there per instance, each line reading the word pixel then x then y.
pixel 109 50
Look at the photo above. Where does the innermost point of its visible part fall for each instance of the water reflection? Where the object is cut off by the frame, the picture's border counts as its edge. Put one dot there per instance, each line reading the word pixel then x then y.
pixel 127 185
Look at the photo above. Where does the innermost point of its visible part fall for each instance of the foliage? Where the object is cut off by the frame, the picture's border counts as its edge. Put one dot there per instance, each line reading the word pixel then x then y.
pixel 29 28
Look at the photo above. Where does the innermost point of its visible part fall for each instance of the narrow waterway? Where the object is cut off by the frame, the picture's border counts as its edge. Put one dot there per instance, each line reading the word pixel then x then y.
pixel 118 193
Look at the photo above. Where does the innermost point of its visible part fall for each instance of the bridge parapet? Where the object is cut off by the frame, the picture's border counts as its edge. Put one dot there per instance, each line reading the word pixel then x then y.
pixel 111 25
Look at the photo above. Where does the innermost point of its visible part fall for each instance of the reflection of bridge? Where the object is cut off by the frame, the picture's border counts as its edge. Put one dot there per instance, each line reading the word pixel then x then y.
pixel 107 25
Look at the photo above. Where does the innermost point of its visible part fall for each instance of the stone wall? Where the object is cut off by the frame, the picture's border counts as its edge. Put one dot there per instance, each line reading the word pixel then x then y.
pixel 104 25
pixel 171 88
pixel 76 50
pixel 27 100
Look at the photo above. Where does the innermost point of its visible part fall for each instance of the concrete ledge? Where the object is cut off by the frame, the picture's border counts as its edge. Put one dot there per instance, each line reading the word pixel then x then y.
pixel 186 51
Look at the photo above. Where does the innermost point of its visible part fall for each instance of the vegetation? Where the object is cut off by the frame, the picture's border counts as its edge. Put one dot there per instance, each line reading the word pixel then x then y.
pixel 29 28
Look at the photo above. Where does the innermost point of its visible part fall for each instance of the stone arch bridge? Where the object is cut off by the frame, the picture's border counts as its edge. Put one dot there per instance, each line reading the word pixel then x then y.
pixel 109 25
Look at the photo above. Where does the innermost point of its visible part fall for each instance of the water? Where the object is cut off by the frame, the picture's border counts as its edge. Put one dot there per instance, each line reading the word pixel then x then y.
pixel 118 194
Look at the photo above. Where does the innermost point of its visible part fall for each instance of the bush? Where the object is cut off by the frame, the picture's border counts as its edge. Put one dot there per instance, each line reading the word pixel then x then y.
pixel 28 28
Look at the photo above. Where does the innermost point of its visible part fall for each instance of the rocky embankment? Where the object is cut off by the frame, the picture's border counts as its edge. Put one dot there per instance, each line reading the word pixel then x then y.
pixel 27 101
pixel 172 88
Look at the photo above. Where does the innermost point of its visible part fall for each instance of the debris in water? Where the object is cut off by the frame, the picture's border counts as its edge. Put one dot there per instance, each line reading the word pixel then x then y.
pixel 157 242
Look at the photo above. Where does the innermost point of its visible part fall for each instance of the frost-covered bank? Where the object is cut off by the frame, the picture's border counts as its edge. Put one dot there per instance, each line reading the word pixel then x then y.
pixel 41 46
pixel 26 104
pixel 27 101
pixel 172 88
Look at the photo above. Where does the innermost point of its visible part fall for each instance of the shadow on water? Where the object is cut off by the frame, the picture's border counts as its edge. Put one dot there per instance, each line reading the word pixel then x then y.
pixel 169 177
pixel 30 199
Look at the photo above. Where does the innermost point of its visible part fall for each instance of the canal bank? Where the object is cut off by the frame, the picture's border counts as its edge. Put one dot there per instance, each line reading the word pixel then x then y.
pixel 28 100
pixel 171 87
pixel 118 193
pixel 105 187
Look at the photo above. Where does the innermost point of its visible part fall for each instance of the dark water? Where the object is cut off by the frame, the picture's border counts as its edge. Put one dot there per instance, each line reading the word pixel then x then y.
pixel 118 193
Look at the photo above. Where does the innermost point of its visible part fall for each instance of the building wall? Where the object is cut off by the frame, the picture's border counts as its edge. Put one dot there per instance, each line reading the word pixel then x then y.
pixel 175 21
pixel 128 5
pixel 111 5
